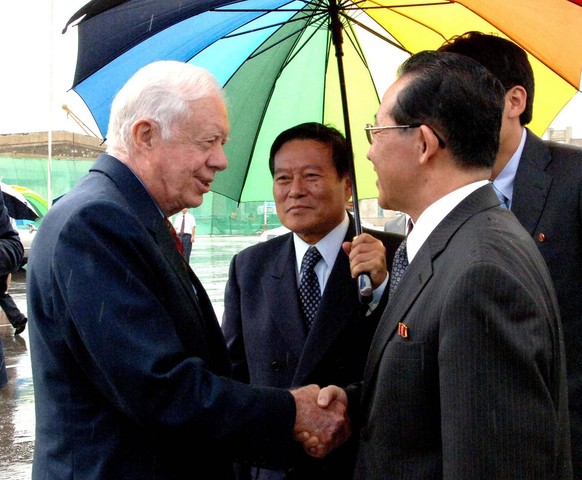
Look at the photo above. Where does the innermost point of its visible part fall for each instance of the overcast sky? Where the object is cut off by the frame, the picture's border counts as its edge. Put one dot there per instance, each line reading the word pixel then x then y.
pixel 38 63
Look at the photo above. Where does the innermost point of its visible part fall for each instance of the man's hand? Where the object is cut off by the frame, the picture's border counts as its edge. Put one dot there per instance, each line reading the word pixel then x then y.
pixel 321 421
pixel 367 255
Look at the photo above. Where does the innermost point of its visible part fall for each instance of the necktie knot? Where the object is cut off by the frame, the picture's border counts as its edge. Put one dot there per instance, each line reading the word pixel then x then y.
pixel 310 259
pixel 309 291
pixel 399 266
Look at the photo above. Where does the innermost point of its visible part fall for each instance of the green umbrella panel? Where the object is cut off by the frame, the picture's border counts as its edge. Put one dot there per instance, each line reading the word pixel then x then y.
pixel 291 79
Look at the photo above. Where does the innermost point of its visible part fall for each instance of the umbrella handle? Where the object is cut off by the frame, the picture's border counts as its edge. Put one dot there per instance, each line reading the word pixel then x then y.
pixel 365 288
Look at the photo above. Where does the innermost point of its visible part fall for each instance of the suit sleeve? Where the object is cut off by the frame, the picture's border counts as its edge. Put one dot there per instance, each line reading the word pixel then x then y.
pixel 232 325
pixel 116 298
pixel 11 250
pixel 496 373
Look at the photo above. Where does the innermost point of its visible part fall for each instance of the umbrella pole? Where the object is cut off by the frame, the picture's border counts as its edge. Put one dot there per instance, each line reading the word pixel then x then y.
pixel 364 281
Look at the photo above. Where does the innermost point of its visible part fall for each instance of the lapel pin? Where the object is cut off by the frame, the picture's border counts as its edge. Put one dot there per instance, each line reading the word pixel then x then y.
pixel 402 330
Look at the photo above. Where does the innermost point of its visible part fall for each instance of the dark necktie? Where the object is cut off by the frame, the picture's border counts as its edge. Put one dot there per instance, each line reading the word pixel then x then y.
pixel 399 265
pixel 309 292
pixel 183 224
pixel 177 240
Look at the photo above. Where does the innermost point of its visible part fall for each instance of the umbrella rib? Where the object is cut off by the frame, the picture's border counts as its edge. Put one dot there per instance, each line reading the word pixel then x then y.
pixel 263 10
pixel 260 51
pixel 290 59
pixel 375 33
pixel 264 27
pixel 402 14
pixel 308 21
pixel 389 7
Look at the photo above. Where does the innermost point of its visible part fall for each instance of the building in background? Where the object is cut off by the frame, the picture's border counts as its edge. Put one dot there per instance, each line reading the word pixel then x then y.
pixel 24 160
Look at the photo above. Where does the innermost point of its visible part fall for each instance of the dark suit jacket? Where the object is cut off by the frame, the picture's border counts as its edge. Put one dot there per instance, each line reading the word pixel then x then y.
pixel 11 253
pixel 129 366
pixel 269 345
pixel 477 390
pixel 547 200
pixel 11 250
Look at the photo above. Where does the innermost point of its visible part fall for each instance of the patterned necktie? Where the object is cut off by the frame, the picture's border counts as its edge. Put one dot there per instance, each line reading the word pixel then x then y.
pixel 177 240
pixel 399 265
pixel 309 292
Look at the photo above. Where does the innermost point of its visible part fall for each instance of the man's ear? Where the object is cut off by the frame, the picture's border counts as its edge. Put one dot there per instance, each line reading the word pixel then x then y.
pixel 430 143
pixel 143 132
pixel 515 100
pixel 348 187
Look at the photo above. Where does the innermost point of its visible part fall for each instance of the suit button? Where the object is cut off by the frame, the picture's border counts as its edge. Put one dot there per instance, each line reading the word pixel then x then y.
pixel 541 237
pixel 276 366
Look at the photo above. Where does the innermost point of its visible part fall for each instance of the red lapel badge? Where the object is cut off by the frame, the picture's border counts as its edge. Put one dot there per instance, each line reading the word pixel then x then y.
pixel 402 330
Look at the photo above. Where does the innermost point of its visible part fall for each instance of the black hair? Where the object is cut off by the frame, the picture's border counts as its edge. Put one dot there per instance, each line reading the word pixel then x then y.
pixel 503 58
pixel 341 153
pixel 456 97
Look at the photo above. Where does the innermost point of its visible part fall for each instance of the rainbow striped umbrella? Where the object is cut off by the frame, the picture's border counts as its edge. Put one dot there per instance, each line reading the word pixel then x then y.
pixel 284 62
pixel 17 205
pixel 34 198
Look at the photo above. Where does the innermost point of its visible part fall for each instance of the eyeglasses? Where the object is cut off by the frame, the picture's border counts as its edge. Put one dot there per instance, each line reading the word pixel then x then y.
pixel 371 130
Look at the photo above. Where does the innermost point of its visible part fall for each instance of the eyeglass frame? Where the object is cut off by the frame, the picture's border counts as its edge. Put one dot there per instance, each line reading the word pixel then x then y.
pixel 371 130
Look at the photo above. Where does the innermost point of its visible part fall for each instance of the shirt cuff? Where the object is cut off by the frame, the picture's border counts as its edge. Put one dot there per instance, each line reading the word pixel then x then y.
pixel 377 296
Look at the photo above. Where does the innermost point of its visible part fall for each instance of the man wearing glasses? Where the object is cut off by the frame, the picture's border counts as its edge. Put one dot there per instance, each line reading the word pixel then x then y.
pixel 465 377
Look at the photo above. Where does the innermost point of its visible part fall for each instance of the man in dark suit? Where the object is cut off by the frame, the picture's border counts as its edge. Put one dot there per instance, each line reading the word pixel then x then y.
pixel 465 377
pixel 542 182
pixel 265 328
pixel 130 370
pixel 11 254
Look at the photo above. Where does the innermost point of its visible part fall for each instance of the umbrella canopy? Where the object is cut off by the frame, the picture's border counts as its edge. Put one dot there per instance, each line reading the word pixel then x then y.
pixel 34 198
pixel 277 61
pixel 18 207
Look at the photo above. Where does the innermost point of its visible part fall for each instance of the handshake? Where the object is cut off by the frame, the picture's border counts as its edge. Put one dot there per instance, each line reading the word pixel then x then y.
pixel 321 421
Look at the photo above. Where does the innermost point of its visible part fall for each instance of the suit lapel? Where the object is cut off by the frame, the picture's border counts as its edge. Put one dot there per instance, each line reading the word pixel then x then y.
pixel 415 279
pixel 419 274
pixel 280 285
pixel 532 183
pixel 148 212
pixel 339 306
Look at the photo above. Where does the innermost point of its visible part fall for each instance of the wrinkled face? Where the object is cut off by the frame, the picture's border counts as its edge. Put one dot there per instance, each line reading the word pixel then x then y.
pixel 186 164
pixel 309 194
pixel 394 154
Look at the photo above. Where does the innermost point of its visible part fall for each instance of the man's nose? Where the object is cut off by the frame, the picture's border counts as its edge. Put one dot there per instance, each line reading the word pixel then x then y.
pixel 297 186
pixel 218 160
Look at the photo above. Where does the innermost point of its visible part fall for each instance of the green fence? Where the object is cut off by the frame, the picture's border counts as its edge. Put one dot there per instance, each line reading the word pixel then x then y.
pixel 218 215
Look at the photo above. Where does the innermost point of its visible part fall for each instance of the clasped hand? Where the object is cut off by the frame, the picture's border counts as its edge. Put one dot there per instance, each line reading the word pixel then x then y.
pixel 367 255
pixel 321 421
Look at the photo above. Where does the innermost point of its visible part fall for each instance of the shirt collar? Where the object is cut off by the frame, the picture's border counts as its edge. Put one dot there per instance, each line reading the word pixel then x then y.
pixel 434 214
pixel 328 246
pixel 505 179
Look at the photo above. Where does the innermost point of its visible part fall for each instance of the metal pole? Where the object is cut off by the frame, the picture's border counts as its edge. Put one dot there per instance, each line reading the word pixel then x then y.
pixel 364 281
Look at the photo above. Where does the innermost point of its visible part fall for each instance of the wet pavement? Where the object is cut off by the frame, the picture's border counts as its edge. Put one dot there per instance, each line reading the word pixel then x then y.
pixel 210 260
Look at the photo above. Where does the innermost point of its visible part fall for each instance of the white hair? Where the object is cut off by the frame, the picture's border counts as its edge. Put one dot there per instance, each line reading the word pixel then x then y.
pixel 159 92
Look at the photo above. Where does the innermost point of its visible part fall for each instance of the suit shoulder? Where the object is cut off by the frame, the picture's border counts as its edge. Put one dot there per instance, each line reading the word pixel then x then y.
pixel 264 250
